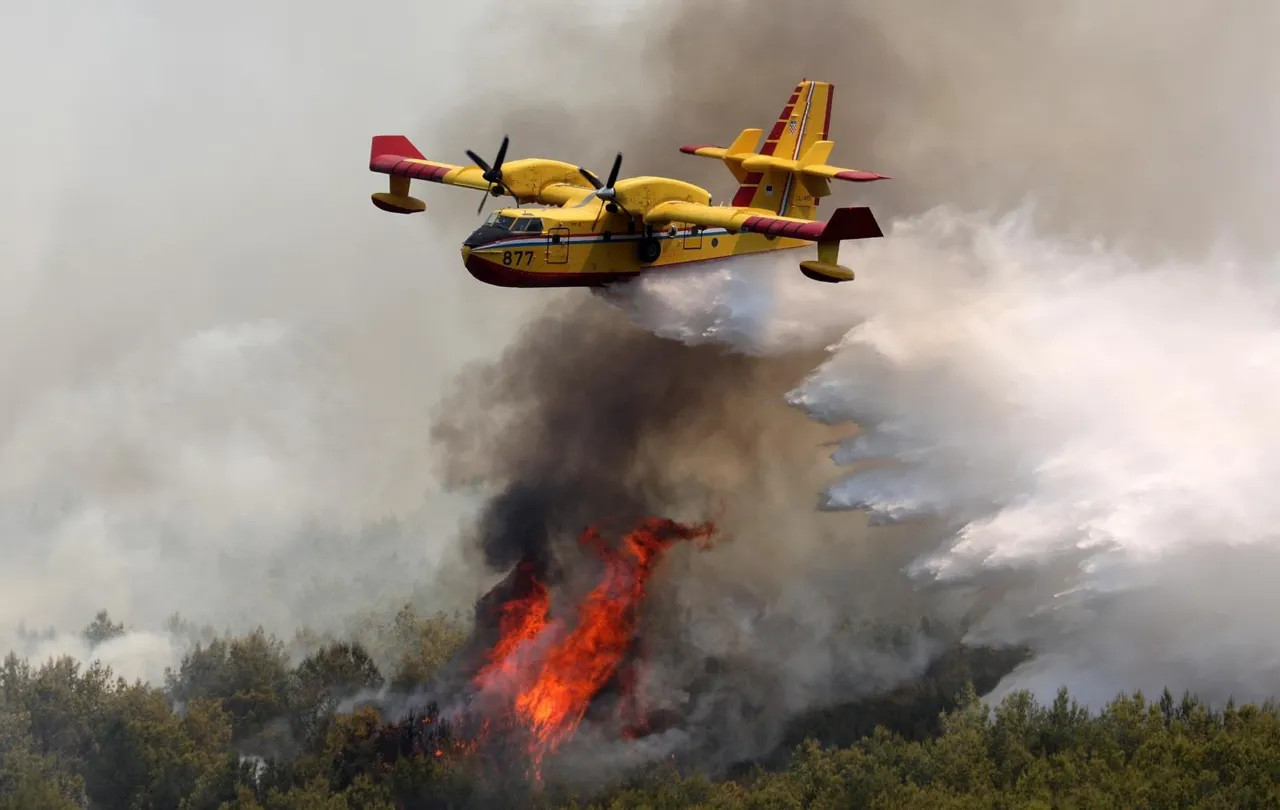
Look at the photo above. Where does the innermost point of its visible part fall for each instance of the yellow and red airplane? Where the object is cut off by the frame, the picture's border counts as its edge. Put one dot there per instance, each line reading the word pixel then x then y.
pixel 593 233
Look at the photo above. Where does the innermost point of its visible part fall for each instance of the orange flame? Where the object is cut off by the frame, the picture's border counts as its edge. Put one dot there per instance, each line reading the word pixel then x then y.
pixel 523 620
pixel 552 688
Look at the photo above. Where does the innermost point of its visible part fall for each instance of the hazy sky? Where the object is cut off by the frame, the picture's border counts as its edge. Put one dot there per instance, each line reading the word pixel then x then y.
pixel 208 335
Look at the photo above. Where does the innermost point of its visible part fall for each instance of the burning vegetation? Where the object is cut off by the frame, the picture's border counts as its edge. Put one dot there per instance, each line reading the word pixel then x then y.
pixel 557 655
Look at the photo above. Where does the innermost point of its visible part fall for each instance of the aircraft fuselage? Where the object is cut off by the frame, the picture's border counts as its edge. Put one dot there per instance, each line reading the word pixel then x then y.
pixel 534 248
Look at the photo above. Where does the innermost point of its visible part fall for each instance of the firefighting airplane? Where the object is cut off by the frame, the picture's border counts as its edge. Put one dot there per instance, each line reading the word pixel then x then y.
pixel 593 233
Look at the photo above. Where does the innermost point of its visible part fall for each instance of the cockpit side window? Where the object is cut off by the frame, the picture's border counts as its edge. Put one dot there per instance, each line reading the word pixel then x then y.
pixel 529 225
pixel 503 221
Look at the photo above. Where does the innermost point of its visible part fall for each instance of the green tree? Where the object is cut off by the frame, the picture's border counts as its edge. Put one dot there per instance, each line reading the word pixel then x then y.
pixel 247 675
pixel 34 792
pixel 65 702
pixel 424 644
pixel 27 779
pixel 149 757
pixel 101 630
pixel 332 673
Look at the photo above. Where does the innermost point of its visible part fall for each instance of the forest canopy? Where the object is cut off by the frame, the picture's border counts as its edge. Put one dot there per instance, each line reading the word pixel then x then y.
pixel 247 722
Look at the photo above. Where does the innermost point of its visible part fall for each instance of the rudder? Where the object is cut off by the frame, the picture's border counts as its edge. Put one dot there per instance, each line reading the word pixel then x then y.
pixel 805 120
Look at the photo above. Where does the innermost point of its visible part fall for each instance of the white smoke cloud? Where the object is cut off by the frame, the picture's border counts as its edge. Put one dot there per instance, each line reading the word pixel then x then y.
pixel 1103 428
pixel 134 656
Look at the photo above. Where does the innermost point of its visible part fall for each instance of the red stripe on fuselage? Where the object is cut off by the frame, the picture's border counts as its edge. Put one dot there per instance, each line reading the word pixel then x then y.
pixel 826 124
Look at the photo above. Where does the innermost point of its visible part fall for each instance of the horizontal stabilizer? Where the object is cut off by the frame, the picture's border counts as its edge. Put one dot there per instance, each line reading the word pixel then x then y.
pixel 742 147
pixel 852 175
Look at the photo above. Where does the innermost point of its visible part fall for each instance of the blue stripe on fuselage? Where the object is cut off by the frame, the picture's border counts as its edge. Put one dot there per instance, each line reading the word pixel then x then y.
pixel 543 240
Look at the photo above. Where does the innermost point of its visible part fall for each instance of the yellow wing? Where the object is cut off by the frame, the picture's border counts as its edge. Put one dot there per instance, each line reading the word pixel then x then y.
pixel 395 155
pixel 550 182
pixel 845 223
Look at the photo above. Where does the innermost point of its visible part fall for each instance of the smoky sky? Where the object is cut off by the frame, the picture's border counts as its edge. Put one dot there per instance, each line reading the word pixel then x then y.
pixel 213 343
pixel 1120 125
pixel 217 358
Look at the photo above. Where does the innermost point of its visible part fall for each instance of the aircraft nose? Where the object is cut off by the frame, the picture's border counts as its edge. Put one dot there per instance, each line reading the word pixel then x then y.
pixel 466 253
pixel 484 235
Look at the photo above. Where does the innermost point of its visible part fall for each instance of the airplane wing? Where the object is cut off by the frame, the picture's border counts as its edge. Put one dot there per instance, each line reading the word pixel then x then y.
pixel 837 173
pixel 565 194
pixel 397 156
pixel 845 223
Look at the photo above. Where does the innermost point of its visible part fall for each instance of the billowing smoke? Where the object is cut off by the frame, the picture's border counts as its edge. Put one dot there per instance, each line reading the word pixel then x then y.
pixel 214 344
pixel 1029 350
pixel 589 418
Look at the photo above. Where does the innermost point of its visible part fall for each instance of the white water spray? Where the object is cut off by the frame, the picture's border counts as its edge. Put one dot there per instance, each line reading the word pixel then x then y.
pixel 1104 430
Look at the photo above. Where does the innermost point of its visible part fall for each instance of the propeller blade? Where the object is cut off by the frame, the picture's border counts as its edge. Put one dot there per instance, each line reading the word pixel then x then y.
pixel 483 198
pixel 502 154
pixel 591 178
pixel 479 161
pixel 613 173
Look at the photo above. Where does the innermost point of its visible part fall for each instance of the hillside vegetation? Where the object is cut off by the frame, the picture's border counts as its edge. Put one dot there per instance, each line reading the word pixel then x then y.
pixel 237 727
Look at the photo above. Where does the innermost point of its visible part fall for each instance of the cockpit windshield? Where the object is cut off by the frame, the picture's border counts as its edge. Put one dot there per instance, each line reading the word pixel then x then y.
pixel 502 221
pixel 507 222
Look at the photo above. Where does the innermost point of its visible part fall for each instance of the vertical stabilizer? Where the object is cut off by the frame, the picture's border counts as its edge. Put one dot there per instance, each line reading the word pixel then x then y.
pixel 803 123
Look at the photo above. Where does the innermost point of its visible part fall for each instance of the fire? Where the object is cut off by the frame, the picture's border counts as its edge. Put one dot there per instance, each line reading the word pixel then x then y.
pixel 523 619
pixel 548 672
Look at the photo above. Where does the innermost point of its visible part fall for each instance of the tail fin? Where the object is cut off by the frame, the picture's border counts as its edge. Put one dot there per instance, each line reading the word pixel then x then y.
pixel 805 120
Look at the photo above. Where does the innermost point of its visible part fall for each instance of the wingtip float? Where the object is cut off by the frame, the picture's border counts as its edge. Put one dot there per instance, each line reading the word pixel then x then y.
pixel 591 232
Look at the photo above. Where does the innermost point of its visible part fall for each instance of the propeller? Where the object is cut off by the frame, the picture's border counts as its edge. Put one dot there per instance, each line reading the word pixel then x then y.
pixel 493 174
pixel 604 191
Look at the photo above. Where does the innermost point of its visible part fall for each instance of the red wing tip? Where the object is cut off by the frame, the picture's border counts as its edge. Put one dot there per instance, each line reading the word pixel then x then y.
pixel 693 150
pixel 852 223
pixel 397 145
pixel 861 176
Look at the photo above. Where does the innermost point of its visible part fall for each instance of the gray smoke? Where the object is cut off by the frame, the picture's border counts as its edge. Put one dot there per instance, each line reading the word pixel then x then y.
pixel 1143 131
pixel 214 344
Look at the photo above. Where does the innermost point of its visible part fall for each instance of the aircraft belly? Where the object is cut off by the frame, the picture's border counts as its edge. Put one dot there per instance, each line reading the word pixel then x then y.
pixel 590 262
pixel 500 269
